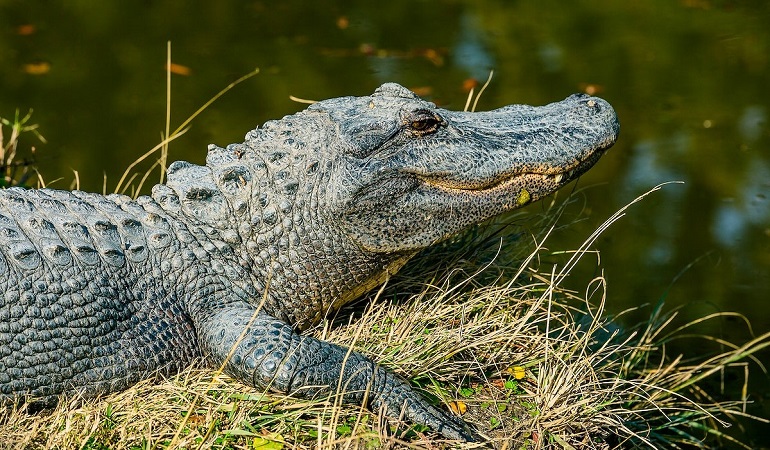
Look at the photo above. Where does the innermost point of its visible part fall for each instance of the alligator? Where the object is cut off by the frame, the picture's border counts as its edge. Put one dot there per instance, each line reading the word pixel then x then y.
pixel 229 262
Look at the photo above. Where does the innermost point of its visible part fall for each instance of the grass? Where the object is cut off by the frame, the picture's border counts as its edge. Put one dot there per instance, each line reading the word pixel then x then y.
pixel 481 324
pixel 16 172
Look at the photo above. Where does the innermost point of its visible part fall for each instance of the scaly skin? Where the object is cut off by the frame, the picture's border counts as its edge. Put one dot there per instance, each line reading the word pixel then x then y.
pixel 232 260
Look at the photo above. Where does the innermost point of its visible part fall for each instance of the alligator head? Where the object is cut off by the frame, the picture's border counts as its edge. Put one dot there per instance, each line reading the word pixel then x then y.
pixel 331 200
pixel 415 174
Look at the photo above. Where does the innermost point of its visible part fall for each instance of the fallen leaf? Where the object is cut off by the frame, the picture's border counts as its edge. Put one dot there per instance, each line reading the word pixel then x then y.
pixel 270 441
pixel 518 372
pixel 422 91
pixel 37 68
pixel 458 407
pixel 591 89
pixel 179 69
pixel 470 83
pixel 26 29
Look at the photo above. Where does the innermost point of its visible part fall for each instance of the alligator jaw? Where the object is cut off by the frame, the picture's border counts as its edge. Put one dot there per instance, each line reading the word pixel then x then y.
pixel 515 181
pixel 500 183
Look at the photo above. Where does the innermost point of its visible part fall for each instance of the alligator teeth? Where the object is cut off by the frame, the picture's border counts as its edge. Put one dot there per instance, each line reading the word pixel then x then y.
pixel 559 177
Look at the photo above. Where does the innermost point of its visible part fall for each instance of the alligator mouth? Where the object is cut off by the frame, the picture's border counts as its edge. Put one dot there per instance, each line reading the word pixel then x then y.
pixel 553 178
pixel 550 178
pixel 497 183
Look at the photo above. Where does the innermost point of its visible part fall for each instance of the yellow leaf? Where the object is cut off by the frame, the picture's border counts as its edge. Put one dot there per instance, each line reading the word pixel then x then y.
pixel 458 407
pixel 271 441
pixel 37 68
pixel 518 372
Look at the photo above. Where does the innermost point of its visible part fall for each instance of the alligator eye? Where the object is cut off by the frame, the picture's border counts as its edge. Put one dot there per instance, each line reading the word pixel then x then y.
pixel 423 125
pixel 424 122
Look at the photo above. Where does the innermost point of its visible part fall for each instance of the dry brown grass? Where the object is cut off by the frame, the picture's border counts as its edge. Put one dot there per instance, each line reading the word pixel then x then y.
pixel 532 364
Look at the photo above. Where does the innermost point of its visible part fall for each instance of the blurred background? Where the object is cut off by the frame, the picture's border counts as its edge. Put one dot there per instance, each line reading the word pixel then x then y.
pixel 688 78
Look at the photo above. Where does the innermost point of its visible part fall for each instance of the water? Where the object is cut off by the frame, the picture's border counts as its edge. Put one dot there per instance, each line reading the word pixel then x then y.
pixel 688 78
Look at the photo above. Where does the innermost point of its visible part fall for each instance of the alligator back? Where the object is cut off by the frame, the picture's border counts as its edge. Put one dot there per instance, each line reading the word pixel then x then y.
pixel 83 303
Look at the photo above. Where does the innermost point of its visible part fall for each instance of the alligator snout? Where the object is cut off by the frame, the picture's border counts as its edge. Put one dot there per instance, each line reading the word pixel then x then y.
pixel 595 108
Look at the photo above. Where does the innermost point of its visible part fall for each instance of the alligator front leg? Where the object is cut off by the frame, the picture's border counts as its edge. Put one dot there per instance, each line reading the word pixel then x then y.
pixel 266 352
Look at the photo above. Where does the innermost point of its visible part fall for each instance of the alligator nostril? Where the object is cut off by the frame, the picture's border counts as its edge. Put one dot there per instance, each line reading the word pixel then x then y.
pixel 578 96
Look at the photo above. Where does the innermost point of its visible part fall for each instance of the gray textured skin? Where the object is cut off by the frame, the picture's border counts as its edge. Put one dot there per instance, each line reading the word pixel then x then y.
pixel 98 292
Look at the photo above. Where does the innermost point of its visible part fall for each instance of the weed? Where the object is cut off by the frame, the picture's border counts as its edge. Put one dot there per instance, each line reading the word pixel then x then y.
pixel 16 172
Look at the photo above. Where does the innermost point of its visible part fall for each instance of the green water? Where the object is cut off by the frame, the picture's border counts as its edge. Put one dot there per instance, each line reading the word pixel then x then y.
pixel 688 78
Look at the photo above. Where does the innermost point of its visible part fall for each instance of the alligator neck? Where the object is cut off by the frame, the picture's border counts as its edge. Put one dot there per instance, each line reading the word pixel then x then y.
pixel 297 267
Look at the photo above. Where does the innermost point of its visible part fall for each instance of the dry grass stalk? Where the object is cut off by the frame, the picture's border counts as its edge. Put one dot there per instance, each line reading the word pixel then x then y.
pixel 15 172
